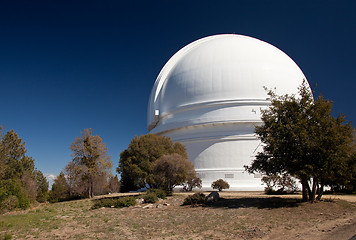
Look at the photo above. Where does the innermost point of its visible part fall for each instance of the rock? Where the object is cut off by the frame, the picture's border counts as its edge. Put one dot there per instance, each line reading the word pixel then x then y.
pixel 148 206
pixel 166 204
pixel 213 197
pixel 139 200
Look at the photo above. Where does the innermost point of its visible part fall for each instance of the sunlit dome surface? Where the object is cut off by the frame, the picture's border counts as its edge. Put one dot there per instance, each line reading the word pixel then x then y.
pixel 222 68
pixel 209 97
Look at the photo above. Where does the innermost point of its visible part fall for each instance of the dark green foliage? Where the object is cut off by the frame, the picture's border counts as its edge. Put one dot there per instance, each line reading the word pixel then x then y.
pixel 114 202
pixel 11 192
pixel 301 138
pixel 18 177
pixel 60 189
pixel 158 192
pixel 150 197
pixel 220 185
pixel 13 152
pixel 196 198
pixel 42 187
pixel 135 164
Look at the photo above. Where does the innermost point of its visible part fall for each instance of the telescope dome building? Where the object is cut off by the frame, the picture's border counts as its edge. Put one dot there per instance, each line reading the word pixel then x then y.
pixel 209 97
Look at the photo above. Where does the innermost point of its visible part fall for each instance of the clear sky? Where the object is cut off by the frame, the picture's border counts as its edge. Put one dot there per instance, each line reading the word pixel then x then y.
pixel 70 65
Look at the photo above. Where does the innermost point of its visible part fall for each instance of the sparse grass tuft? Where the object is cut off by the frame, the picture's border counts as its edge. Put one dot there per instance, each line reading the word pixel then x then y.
pixel 7 236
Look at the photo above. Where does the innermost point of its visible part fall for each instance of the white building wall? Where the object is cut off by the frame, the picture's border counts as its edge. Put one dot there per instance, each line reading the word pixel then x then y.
pixel 220 151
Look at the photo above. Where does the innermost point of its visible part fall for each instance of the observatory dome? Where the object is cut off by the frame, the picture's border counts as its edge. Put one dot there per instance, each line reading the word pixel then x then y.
pixel 209 96
pixel 221 69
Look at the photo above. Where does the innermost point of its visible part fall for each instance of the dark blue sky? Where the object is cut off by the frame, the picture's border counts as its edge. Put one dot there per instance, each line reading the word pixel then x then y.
pixel 70 65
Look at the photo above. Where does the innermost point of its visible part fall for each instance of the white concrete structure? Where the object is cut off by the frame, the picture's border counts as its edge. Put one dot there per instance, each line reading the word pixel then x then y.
pixel 209 97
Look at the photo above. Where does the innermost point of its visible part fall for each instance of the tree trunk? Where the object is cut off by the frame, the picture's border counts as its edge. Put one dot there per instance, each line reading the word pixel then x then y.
pixel 320 192
pixel 308 188
pixel 313 192
pixel 91 187
pixel 304 189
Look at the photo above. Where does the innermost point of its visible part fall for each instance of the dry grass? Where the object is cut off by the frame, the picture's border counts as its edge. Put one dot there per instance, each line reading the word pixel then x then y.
pixel 236 216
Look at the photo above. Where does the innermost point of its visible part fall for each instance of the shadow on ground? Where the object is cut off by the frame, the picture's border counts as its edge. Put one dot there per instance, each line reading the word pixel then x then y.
pixel 261 203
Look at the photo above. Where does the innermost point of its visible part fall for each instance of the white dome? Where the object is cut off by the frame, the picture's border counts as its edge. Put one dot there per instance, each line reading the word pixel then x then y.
pixel 209 97
pixel 222 69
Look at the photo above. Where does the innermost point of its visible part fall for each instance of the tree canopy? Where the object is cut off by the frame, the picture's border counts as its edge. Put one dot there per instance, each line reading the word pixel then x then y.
pixel 300 137
pixel 220 184
pixel 20 182
pixel 135 164
pixel 90 160
pixel 172 170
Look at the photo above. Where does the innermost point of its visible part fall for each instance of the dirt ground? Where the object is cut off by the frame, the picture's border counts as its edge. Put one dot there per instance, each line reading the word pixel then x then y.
pixel 238 215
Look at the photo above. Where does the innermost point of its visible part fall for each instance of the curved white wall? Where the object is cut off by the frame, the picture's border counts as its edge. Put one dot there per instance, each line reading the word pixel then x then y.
pixel 209 97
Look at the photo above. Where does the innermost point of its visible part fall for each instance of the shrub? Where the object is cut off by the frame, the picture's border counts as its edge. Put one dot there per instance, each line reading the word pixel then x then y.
pixel 279 184
pixel 158 192
pixel 10 203
pixel 114 202
pixel 196 198
pixel 125 202
pixel 150 197
pixel 220 185
pixel 12 187
pixel 191 183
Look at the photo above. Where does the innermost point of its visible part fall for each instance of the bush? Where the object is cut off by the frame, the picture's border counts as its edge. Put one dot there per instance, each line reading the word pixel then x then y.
pixel 150 197
pixel 12 188
pixel 158 192
pixel 10 203
pixel 191 183
pixel 220 185
pixel 196 198
pixel 114 202
pixel 279 184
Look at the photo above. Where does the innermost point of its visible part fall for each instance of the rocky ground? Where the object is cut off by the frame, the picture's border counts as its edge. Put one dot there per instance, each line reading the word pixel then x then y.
pixel 238 215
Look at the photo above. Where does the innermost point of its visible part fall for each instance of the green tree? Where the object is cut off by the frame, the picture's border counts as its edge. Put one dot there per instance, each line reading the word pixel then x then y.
pixel 301 138
pixel 60 189
pixel 17 178
pixel 90 159
pixel 13 152
pixel 172 170
pixel 14 190
pixel 135 164
pixel 2 155
pixel 42 187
